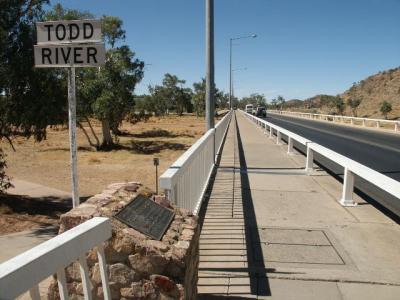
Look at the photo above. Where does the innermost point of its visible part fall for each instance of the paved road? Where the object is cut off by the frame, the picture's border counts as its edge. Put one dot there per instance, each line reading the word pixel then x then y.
pixel 375 149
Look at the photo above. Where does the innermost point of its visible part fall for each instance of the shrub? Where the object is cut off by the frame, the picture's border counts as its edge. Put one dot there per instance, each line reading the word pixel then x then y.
pixel 4 179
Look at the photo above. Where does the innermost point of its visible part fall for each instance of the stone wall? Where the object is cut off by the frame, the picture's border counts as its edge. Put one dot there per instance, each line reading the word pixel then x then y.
pixel 138 267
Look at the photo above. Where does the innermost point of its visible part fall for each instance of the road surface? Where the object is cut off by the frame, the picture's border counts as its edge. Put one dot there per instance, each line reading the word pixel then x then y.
pixel 376 149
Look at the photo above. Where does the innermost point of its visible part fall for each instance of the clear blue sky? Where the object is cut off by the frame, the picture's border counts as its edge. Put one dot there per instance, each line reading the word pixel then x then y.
pixel 303 48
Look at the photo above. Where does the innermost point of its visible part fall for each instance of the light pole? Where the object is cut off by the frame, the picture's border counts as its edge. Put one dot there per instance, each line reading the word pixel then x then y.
pixel 230 63
pixel 210 103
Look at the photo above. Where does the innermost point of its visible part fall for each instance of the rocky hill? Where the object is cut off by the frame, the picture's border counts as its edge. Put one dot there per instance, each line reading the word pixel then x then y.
pixel 372 91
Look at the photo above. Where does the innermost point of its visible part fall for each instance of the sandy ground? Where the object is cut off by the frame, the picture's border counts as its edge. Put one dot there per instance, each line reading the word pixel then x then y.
pixel 47 163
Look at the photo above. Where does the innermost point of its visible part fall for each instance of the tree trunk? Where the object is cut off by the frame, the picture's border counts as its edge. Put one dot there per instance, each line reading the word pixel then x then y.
pixel 96 146
pixel 107 138
pixel 93 132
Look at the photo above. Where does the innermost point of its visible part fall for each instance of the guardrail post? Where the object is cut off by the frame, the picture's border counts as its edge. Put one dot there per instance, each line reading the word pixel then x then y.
pixel 278 138
pixel 270 132
pixel 378 125
pixel 363 122
pixel 348 187
pixel 396 126
pixel 352 121
pixel 290 146
pixel 309 160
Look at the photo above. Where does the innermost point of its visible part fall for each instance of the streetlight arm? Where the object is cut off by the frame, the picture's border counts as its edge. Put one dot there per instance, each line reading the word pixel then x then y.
pixel 244 37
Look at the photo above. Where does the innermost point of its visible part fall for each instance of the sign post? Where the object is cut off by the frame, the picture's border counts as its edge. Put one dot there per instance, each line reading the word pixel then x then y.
pixel 72 135
pixel 70 44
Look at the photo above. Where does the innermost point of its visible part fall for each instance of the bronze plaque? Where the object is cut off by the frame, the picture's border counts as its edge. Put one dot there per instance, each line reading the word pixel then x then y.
pixel 146 216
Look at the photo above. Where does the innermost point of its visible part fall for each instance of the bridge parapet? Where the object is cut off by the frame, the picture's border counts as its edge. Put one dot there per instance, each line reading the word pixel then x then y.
pixel 24 272
pixel 377 123
pixel 186 180
pixel 351 167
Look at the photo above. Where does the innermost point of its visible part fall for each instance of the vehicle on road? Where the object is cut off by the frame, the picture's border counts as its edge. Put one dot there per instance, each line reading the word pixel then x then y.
pixel 249 108
pixel 261 112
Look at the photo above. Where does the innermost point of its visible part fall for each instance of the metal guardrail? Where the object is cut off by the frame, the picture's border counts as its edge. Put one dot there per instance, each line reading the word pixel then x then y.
pixel 334 118
pixel 350 166
pixel 25 271
pixel 186 180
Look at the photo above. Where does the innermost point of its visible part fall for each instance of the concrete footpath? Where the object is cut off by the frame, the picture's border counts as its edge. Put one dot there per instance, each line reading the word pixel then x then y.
pixel 17 243
pixel 271 231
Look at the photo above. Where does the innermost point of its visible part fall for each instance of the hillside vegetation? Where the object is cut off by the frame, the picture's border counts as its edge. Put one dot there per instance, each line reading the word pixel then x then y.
pixel 372 91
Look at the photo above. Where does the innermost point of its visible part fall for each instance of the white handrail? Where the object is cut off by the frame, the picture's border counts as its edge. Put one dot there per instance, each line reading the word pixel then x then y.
pixel 350 166
pixel 25 271
pixel 186 180
pixel 326 117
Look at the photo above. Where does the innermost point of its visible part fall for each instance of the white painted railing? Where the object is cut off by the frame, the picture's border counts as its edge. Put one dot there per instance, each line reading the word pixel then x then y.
pixel 350 166
pixel 25 271
pixel 187 178
pixel 337 118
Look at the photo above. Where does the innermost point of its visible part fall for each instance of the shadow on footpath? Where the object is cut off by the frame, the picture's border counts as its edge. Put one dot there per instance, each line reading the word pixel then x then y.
pixel 259 284
pixel 256 270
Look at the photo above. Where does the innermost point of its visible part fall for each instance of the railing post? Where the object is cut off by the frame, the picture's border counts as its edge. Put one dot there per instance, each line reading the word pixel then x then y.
pixel 270 132
pixel 62 284
pixel 278 138
pixel 348 187
pixel 309 160
pixel 352 121
pixel 363 122
pixel 290 145
pixel 34 292
pixel 103 272
pixel 86 284
pixel 378 125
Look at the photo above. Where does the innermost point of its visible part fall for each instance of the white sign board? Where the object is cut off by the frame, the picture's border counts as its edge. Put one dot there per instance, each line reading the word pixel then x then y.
pixel 75 43
pixel 75 31
pixel 72 55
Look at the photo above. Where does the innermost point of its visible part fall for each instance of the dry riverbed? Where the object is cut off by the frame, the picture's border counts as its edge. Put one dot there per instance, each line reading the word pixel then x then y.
pixel 47 163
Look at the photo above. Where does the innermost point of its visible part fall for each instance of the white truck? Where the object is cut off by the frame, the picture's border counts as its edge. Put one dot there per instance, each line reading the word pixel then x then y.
pixel 249 108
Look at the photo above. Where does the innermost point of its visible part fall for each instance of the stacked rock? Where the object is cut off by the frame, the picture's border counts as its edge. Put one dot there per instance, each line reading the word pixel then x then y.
pixel 138 266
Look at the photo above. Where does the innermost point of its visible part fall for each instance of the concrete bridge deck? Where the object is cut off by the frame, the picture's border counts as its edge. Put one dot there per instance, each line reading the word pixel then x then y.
pixel 271 231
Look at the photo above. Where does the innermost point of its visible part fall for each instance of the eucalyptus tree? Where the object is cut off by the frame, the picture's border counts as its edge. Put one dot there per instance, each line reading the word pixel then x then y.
pixel 30 99
pixel 199 97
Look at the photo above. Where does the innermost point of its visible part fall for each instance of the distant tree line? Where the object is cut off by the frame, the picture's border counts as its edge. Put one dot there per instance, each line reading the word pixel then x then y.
pixel 255 99
pixel 172 96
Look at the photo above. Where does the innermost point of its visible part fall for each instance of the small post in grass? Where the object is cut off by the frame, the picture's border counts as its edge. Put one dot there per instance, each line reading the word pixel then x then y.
pixel 156 162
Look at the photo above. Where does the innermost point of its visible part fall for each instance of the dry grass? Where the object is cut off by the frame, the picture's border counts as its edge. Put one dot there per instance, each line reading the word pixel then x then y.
pixel 47 163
